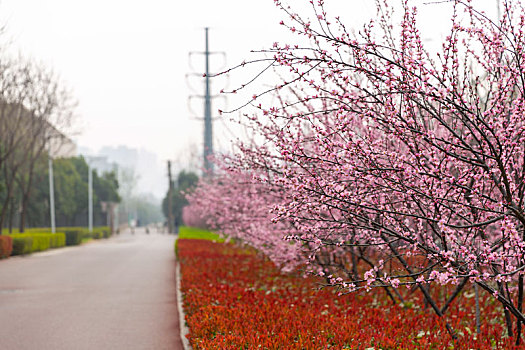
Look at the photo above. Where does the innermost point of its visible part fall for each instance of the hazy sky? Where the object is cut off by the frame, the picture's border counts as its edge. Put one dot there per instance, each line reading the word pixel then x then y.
pixel 126 60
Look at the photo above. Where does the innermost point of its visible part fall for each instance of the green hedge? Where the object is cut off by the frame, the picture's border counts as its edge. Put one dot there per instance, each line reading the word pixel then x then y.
pixel 104 229
pixel 58 240
pixel 74 235
pixel 26 243
pixel 98 233
pixel 101 232
pixel 39 239
pixel 22 244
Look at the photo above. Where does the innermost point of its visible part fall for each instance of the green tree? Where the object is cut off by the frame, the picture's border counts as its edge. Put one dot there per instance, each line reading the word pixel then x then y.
pixel 71 193
pixel 106 186
pixel 71 190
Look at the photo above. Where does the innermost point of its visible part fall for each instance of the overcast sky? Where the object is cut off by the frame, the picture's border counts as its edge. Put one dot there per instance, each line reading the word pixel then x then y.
pixel 126 60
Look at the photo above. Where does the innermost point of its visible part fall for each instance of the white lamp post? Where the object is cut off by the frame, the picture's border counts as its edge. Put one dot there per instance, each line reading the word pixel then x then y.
pixel 51 182
pixel 90 198
pixel 51 194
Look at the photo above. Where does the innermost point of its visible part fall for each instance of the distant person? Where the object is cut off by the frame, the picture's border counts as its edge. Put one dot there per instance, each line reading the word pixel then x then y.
pixel 176 226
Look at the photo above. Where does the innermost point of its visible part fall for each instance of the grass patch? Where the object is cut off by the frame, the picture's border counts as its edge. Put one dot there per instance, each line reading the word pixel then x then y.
pixel 197 233
pixel 186 232
pixel 86 239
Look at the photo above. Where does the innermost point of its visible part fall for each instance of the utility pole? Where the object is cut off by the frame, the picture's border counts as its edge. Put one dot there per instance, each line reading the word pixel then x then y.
pixel 208 132
pixel 170 198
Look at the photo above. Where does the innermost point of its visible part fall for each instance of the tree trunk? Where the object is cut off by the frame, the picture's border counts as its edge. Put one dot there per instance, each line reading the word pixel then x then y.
pixel 23 210
pixel 426 294
pixel 478 313
pixel 5 206
pixel 520 306
pixel 11 214
pixel 506 312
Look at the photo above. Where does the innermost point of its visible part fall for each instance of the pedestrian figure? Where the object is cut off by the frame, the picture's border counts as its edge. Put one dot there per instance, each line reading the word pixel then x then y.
pixel 176 226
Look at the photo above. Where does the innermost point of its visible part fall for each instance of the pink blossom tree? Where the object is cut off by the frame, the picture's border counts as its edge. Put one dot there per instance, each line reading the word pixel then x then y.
pixel 383 153
pixel 238 206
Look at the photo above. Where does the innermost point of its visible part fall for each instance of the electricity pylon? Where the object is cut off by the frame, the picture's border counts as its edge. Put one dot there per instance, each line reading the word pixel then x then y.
pixel 208 125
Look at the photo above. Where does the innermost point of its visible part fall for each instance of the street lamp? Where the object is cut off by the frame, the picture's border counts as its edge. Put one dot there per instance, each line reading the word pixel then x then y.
pixel 51 181
pixel 90 198
pixel 51 194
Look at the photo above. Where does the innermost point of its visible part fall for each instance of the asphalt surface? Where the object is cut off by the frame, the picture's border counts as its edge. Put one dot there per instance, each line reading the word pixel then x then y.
pixel 116 294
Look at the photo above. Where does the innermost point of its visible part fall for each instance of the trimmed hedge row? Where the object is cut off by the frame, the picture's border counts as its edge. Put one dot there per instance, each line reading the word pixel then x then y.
pixel 22 244
pixel 74 235
pixel 26 243
pixel 6 246
pixel 58 240
pixel 40 239
pixel 104 229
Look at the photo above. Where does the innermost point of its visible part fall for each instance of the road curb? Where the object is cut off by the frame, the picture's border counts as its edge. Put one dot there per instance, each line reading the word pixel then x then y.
pixel 182 322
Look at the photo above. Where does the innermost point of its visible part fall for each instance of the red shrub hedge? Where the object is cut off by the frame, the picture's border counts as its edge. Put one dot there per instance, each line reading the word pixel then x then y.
pixel 6 246
pixel 236 299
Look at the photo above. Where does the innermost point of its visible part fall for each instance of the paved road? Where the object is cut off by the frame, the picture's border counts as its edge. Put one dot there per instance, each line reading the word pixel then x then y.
pixel 110 294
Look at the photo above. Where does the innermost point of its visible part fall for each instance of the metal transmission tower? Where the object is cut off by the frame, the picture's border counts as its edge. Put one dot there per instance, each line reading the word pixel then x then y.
pixel 208 126
pixel 208 132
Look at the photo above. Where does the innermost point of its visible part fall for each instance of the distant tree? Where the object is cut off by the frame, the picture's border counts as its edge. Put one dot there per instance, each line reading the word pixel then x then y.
pixel 71 190
pixel 186 181
pixel 106 187
pixel 147 209
pixel 33 107
pixel 37 211
pixel 71 193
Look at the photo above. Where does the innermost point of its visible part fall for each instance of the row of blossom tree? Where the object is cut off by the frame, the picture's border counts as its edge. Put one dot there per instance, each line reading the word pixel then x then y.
pixel 384 165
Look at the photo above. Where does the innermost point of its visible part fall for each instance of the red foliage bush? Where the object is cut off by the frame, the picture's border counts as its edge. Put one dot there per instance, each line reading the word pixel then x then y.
pixel 237 299
pixel 6 246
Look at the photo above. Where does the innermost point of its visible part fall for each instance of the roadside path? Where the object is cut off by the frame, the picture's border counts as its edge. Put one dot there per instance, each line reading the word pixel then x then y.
pixel 115 294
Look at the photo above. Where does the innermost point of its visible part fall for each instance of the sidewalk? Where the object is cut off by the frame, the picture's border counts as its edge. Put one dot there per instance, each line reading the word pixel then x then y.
pixel 116 294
